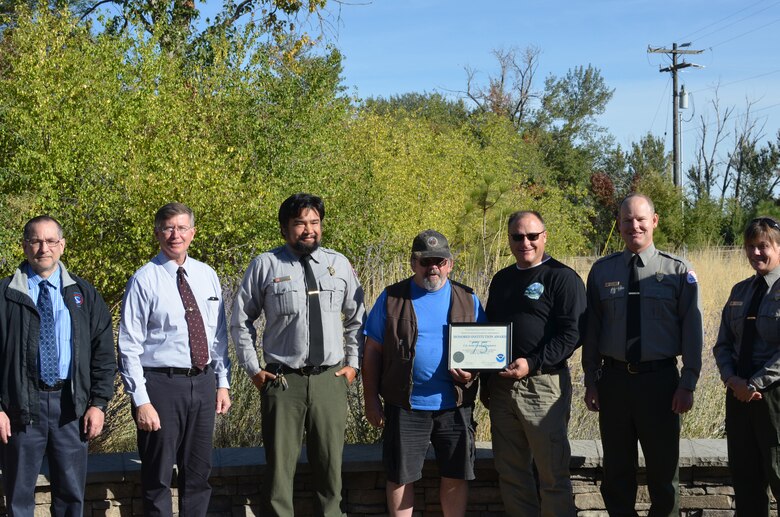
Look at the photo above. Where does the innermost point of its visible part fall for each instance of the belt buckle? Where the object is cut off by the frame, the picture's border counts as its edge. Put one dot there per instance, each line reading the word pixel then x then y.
pixel 630 368
pixel 192 372
pixel 312 370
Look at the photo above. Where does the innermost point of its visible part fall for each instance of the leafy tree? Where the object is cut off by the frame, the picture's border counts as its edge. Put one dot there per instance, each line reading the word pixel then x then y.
pixel 440 111
pixel 759 172
pixel 565 126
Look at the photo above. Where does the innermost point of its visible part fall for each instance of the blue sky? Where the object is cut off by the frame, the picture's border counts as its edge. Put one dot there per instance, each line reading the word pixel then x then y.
pixel 397 46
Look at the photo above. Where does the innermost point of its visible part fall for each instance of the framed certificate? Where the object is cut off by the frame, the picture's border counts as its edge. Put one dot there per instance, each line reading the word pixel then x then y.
pixel 479 346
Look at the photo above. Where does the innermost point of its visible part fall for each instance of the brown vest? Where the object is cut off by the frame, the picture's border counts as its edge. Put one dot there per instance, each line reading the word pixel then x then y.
pixel 401 337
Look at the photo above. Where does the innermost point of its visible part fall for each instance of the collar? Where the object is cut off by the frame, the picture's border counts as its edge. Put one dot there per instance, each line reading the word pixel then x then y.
pixel 545 258
pixel 644 255
pixel 317 255
pixel 170 265
pixel 772 277
pixel 54 280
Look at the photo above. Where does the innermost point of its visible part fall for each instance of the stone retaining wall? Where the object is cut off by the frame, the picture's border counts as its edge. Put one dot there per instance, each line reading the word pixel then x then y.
pixel 113 486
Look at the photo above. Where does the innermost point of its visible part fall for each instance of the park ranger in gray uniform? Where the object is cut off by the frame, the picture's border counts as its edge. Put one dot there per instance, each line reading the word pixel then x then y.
pixel 311 355
pixel 643 311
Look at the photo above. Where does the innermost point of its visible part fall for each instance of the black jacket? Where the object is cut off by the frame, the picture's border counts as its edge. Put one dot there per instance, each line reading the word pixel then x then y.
pixel 94 363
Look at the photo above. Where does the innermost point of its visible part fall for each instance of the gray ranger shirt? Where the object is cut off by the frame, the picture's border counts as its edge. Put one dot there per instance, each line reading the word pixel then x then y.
pixel 274 284
pixel 766 348
pixel 670 313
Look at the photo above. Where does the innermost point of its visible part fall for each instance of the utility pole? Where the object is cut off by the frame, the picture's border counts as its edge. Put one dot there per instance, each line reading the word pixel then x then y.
pixel 675 51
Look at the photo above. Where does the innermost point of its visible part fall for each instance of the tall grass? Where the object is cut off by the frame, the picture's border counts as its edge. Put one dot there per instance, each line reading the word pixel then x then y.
pixel 718 270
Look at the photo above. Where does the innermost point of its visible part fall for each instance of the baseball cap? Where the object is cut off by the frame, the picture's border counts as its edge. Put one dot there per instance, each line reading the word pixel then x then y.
pixel 430 243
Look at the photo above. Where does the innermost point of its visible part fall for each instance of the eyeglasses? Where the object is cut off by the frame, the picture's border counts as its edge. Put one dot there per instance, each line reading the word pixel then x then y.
pixel 37 243
pixel 168 230
pixel 432 261
pixel 766 221
pixel 518 237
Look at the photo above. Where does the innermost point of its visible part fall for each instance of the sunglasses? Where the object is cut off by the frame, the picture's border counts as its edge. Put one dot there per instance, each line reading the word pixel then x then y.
pixel 518 237
pixel 766 221
pixel 432 261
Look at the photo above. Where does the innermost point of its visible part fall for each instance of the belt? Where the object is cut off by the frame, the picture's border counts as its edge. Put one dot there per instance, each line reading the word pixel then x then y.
pixel 641 367
pixel 57 386
pixel 546 371
pixel 187 372
pixel 305 370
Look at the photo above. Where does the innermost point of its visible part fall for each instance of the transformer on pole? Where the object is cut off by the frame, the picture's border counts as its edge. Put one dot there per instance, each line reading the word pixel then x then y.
pixel 677 94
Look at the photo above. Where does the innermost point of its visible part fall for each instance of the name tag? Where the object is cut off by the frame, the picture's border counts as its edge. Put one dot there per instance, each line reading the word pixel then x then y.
pixel 282 279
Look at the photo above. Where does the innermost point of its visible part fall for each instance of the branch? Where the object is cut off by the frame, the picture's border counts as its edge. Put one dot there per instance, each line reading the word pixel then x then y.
pixel 94 7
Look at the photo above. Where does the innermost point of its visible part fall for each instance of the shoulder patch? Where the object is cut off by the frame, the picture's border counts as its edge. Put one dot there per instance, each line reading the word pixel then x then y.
pixel 691 277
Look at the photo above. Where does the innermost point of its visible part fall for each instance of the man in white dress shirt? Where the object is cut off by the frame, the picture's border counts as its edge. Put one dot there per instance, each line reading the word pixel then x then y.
pixel 174 363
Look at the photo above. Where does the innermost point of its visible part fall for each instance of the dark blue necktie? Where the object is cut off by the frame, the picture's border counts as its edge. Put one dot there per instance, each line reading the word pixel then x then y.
pixel 47 346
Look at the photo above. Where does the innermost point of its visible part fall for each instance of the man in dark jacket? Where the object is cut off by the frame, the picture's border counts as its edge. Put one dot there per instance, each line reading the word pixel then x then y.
pixel 56 376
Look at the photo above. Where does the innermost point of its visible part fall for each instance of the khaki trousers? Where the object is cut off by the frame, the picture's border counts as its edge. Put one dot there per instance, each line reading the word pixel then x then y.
pixel 529 422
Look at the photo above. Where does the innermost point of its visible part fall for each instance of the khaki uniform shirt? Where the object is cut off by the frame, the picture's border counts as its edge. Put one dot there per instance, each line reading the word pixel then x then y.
pixel 274 284
pixel 766 348
pixel 671 321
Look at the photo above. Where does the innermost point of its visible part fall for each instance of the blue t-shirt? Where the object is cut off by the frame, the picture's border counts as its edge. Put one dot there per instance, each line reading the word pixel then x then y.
pixel 432 382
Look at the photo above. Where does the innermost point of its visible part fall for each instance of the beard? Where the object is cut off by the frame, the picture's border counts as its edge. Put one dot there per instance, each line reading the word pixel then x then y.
pixel 306 249
pixel 432 283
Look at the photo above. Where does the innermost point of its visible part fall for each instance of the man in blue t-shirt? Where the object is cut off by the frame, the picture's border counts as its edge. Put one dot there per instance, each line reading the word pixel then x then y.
pixel 405 366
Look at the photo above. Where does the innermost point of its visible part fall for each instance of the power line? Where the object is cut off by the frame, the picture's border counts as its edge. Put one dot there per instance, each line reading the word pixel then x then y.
pixel 699 38
pixel 737 117
pixel 736 82
pixel 660 103
pixel 723 19
pixel 674 52
pixel 745 33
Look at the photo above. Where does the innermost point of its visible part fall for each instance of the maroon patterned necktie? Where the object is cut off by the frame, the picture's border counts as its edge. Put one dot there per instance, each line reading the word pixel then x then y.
pixel 199 350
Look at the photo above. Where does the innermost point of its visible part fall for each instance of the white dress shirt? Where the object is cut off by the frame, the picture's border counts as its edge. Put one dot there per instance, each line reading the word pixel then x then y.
pixel 153 329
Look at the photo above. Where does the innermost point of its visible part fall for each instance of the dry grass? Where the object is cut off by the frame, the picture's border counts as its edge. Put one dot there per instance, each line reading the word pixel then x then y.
pixel 717 269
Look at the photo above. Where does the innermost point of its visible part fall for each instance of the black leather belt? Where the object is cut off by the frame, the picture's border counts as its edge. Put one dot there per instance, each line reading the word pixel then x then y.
pixel 641 367
pixel 187 372
pixel 546 371
pixel 57 386
pixel 305 371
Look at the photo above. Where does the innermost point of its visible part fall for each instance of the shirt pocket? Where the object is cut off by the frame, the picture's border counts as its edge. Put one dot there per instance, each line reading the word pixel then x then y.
pixel 768 320
pixel 661 302
pixel 211 311
pixel 613 304
pixel 284 299
pixel 331 293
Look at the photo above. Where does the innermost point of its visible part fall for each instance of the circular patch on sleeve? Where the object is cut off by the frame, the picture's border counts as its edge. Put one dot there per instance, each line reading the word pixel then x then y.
pixel 691 277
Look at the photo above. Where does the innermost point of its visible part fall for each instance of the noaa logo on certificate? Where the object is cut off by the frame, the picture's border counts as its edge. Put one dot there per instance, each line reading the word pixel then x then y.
pixel 500 358
pixel 534 291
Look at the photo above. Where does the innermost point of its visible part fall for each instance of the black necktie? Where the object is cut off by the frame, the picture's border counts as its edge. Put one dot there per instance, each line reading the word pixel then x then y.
pixel 199 348
pixel 745 361
pixel 634 315
pixel 316 341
